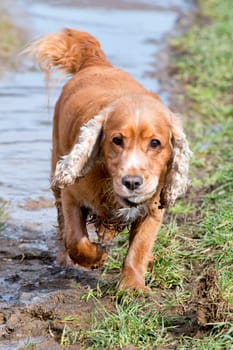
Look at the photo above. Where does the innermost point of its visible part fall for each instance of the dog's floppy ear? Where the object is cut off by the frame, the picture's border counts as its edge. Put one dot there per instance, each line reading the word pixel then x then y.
pixel 177 179
pixel 79 161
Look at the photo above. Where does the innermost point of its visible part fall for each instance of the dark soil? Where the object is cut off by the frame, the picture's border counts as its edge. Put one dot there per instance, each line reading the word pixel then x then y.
pixel 37 293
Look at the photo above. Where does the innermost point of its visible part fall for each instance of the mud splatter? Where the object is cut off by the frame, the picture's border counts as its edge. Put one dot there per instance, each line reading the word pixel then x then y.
pixel 205 309
pixel 208 302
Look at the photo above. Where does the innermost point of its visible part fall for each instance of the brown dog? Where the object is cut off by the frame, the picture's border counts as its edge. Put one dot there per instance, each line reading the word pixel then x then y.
pixel 119 155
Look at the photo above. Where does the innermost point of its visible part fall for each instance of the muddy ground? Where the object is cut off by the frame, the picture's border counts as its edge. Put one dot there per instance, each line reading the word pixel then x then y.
pixel 36 293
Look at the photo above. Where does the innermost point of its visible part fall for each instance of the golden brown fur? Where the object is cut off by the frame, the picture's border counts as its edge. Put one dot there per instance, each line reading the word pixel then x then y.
pixel 119 155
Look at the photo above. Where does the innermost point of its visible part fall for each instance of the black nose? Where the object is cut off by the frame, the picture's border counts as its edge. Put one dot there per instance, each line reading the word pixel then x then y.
pixel 132 182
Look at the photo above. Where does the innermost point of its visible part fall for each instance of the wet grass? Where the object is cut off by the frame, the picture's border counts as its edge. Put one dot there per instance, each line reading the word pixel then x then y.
pixel 204 64
pixel 192 301
pixel 134 321
pixel 2 215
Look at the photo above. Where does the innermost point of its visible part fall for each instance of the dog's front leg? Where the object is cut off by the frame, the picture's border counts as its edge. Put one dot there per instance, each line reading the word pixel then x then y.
pixel 78 247
pixel 142 236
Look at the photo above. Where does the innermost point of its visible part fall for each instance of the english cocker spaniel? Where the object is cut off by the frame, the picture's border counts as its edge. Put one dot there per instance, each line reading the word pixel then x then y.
pixel 119 155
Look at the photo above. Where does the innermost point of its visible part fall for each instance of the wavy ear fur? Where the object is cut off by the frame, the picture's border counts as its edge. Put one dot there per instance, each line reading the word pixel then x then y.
pixel 177 179
pixel 78 162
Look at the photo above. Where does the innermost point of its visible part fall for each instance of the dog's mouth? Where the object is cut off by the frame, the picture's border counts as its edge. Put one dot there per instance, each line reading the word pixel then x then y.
pixel 129 203
pixel 135 201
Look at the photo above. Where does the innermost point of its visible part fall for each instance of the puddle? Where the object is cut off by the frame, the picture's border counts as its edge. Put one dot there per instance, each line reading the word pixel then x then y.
pixel 128 32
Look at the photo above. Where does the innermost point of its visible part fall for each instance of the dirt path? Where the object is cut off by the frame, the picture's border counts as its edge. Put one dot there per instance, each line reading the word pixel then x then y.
pixel 36 293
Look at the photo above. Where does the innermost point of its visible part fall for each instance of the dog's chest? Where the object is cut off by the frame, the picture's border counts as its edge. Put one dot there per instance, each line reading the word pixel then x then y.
pixel 129 215
pixel 119 218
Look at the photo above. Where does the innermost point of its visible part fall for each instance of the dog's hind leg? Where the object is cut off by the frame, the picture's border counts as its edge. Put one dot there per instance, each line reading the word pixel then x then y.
pixel 60 226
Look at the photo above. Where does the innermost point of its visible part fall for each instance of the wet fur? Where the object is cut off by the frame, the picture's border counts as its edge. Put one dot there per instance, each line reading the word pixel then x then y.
pixel 98 102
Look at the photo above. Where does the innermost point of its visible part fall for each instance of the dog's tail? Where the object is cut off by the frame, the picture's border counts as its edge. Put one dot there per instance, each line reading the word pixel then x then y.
pixel 69 51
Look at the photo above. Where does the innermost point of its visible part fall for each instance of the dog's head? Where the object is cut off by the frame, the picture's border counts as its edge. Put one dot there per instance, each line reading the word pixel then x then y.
pixel 143 146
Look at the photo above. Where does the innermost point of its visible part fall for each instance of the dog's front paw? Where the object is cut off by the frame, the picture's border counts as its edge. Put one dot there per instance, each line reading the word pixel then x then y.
pixel 87 254
pixel 131 280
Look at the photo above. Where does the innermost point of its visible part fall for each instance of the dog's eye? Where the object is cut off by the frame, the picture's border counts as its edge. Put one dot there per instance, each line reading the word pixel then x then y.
pixel 118 141
pixel 155 143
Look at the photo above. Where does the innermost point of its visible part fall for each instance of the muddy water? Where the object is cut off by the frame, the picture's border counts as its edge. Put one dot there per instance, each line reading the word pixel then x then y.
pixel 131 32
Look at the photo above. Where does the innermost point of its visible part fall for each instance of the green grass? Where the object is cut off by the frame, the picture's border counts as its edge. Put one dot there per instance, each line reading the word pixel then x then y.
pixel 204 64
pixel 132 322
pixel 197 235
pixel 2 216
